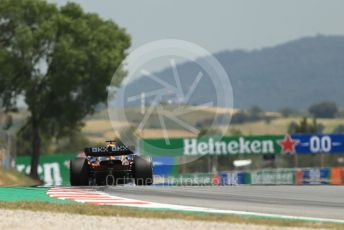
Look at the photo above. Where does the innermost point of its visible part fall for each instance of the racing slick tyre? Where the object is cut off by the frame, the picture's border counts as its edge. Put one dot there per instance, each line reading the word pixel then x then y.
pixel 143 169
pixel 79 172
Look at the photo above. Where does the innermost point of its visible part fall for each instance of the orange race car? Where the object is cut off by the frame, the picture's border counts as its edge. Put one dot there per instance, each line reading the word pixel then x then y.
pixel 110 165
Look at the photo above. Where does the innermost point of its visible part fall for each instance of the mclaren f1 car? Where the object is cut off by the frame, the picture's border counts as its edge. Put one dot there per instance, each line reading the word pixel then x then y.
pixel 110 165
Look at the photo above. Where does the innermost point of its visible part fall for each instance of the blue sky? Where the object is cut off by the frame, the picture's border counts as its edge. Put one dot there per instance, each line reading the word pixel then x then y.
pixel 222 24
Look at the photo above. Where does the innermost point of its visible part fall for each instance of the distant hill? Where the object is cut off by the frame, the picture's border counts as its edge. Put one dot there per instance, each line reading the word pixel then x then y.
pixel 295 74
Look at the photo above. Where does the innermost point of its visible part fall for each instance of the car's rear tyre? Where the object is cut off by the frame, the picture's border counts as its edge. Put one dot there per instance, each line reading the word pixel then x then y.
pixel 143 169
pixel 79 172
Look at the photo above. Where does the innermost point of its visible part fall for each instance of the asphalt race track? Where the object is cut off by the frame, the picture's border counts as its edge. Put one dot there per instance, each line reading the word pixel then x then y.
pixel 306 201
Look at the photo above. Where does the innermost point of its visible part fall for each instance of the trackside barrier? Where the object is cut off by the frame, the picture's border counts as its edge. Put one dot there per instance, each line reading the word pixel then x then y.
pixel 165 166
pixel 337 176
pixel 235 178
pixel 54 170
pixel 316 176
pixel 272 177
pixel 302 176
pixel 195 179
pixel 298 176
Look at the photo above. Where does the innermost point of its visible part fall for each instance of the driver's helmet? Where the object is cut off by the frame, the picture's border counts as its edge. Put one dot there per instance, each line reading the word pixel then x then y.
pixel 111 157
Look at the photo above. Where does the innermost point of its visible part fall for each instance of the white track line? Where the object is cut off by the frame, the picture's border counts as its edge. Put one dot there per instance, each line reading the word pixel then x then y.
pixel 92 196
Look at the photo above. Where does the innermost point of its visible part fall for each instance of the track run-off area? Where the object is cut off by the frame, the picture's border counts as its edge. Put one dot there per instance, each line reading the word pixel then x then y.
pixel 309 203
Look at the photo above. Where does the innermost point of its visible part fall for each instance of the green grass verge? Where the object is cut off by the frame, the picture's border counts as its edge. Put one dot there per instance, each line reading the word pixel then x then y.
pixel 20 194
pixel 86 209
pixel 15 178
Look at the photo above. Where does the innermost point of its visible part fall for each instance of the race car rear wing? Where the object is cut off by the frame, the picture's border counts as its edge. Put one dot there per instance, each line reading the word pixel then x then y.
pixel 109 151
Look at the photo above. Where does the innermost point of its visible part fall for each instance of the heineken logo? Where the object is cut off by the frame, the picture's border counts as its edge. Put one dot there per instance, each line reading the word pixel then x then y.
pixel 235 145
pixel 194 146
pixel 288 144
